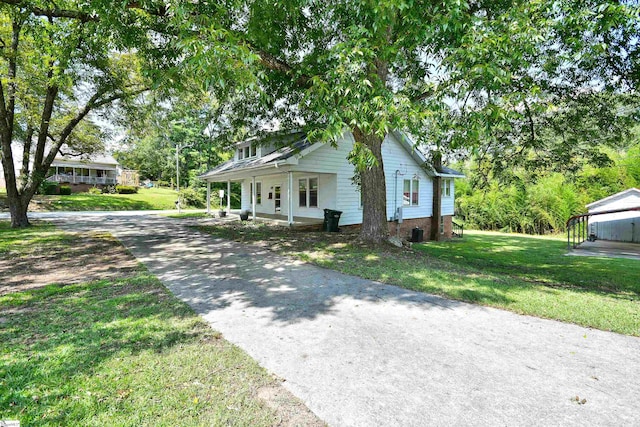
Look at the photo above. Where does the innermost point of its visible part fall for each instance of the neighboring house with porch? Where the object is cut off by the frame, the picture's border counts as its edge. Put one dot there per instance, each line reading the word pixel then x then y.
pixel 301 179
pixel 616 217
pixel 79 172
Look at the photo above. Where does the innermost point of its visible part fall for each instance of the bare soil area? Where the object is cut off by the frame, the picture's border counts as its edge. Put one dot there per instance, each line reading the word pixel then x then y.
pixel 89 257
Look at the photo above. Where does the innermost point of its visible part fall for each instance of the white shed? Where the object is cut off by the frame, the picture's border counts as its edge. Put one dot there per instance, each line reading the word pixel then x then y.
pixel 623 225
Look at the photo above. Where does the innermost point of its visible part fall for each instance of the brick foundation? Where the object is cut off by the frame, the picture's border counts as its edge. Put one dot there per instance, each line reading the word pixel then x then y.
pixel 79 188
pixel 409 224
pixel 424 223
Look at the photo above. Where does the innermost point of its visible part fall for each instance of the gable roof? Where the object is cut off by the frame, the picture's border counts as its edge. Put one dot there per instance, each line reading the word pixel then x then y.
pixel 103 158
pixel 410 146
pixel 614 197
pixel 298 144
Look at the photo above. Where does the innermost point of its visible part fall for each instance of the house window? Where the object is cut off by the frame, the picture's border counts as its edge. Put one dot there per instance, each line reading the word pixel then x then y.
pixel 258 193
pixel 441 225
pixel 248 151
pixel 302 192
pixel 308 192
pixel 313 192
pixel 446 188
pixel 411 192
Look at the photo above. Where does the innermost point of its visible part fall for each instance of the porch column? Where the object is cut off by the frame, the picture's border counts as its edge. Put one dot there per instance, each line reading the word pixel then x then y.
pixel 208 197
pixel 290 198
pixel 253 197
pixel 228 197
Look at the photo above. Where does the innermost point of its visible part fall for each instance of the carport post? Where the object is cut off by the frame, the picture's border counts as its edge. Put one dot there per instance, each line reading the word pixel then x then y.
pixel 208 197
pixel 228 197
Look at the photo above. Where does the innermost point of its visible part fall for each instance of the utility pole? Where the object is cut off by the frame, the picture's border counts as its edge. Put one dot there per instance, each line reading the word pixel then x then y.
pixel 178 148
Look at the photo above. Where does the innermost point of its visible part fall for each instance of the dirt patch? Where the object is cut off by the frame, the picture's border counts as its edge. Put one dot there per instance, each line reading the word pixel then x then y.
pixel 38 203
pixel 88 257
pixel 289 409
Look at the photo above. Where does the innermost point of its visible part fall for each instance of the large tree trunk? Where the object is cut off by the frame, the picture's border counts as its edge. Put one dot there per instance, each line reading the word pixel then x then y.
pixel 374 191
pixel 437 198
pixel 18 210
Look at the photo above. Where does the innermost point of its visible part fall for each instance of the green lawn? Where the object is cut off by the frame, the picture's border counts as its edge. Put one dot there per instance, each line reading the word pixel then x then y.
pixel 525 274
pixel 189 215
pixel 145 199
pixel 121 352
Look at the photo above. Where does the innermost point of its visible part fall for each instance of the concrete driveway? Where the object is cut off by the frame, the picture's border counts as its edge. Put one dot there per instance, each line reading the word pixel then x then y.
pixel 360 353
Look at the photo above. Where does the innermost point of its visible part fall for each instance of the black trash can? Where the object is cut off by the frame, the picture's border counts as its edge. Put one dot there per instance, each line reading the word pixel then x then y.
pixel 417 235
pixel 331 220
pixel 325 222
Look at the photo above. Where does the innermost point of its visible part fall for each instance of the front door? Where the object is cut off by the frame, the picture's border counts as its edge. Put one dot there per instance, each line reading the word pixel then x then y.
pixel 276 197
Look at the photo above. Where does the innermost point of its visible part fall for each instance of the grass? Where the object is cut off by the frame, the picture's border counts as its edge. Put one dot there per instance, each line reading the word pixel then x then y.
pixel 524 274
pixel 189 215
pixel 121 351
pixel 146 199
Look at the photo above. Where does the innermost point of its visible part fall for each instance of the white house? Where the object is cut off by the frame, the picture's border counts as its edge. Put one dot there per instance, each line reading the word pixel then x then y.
pixel 621 222
pixel 96 169
pixel 300 180
pixel 79 172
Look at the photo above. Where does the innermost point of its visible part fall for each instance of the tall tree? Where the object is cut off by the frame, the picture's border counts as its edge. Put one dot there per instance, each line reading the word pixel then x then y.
pixel 59 66
pixel 372 67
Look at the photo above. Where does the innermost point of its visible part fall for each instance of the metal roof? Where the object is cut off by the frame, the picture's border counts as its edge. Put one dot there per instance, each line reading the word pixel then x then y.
pixel 297 142
pixel 614 197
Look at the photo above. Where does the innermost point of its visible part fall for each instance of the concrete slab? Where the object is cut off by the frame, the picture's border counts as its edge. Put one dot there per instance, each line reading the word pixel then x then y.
pixel 607 249
pixel 360 353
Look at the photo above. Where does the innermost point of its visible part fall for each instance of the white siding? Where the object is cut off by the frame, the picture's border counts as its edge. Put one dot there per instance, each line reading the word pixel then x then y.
pixel 397 160
pixel 448 202
pixel 335 187
pixel 346 197
pixel 621 230
pixel 629 201
pixel 245 198
pixel 267 206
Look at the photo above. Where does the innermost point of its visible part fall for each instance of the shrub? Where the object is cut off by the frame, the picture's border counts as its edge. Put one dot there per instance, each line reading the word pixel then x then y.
pixel 95 190
pixel 65 190
pixel 126 189
pixel 109 189
pixel 193 197
pixel 161 183
pixel 47 187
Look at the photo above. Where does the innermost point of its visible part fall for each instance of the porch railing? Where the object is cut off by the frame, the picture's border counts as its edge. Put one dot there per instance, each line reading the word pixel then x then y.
pixel 457 229
pixel 104 180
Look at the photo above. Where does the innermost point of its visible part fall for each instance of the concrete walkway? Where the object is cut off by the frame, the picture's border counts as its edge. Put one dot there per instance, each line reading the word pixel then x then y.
pixel 359 353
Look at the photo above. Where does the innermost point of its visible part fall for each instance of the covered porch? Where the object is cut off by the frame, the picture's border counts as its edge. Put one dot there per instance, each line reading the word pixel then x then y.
pixel 276 220
pixel 286 197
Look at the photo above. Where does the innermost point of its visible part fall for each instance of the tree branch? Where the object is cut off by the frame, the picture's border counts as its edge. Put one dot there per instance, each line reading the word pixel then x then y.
pixel 51 13
pixel 274 64
pixel 78 15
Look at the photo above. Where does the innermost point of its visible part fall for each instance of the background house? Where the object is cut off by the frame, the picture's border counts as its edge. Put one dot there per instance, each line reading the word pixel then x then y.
pixel 622 225
pixel 302 179
pixel 83 173
pixel 80 173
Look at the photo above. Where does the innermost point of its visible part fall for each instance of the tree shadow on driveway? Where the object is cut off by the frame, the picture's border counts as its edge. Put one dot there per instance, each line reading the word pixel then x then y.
pixel 211 273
